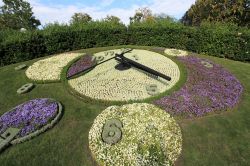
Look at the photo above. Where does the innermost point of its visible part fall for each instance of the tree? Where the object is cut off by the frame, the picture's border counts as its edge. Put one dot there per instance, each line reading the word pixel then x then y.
pixel 141 14
pixel 164 17
pixel 17 14
pixel 80 18
pixel 234 11
pixel 112 19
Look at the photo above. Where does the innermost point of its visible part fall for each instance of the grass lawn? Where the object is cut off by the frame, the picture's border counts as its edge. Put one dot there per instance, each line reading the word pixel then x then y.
pixel 217 139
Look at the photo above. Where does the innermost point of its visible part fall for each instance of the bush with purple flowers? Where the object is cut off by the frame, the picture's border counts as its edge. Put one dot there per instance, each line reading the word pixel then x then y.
pixel 207 89
pixel 79 66
pixel 30 116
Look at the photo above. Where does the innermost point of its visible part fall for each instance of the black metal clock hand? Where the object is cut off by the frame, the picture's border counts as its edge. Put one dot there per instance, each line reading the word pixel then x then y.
pixel 120 57
pixel 128 61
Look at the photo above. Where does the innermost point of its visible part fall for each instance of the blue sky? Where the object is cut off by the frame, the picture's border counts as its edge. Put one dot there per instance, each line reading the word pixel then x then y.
pixel 48 11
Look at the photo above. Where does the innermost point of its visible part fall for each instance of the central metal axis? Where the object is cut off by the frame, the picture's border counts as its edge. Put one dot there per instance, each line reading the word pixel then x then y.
pixel 122 66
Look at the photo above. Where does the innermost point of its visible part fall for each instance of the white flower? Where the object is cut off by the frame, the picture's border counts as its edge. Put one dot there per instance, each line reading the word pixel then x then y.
pixel 175 52
pixel 105 82
pixel 135 146
pixel 23 30
pixel 50 69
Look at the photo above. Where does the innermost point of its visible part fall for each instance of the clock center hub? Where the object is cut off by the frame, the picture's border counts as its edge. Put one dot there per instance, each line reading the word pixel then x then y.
pixel 122 66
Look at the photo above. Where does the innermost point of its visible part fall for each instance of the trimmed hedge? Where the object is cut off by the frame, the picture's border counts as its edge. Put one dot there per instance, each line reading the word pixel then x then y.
pixel 221 40
pixel 18 47
pixel 21 47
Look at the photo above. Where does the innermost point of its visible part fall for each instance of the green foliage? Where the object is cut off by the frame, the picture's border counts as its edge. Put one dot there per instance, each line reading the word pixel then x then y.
pixel 112 19
pixel 141 15
pixel 56 38
pixel 221 40
pixel 80 18
pixel 17 14
pixel 160 33
pixel 236 11
pixel 218 39
pixel 19 47
pixel 164 17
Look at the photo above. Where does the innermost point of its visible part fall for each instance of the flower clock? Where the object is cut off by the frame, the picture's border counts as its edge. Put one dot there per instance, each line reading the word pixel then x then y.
pixel 124 75
pixel 28 120
pixel 131 134
pixel 135 134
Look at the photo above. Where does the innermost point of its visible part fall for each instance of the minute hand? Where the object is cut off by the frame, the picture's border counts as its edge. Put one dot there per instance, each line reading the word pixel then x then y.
pixel 125 60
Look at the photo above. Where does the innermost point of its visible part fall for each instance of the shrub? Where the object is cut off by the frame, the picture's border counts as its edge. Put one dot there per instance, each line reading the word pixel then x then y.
pixel 17 47
pixel 221 40
pixel 20 47
pixel 163 34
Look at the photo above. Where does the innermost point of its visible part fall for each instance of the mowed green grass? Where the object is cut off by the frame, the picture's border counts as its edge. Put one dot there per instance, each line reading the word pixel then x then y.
pixel 219 139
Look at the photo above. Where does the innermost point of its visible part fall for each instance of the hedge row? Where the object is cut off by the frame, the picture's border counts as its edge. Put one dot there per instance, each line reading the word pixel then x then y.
pixel 18 47
pixel 220 40
pixel 216 40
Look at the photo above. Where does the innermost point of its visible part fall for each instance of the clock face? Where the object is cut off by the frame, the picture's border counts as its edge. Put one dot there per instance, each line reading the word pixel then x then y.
pixel 113 81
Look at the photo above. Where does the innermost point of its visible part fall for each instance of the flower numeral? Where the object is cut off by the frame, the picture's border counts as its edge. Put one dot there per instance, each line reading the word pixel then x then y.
pixel 112 133
pixel 152 89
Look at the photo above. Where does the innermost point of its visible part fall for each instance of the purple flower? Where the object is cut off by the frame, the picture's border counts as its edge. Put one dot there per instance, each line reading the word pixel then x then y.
pixel 29 116
pixel 207 89
pixel 79 66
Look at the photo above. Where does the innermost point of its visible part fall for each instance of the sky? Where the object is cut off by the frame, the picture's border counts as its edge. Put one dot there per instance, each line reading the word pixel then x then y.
pixel 49 11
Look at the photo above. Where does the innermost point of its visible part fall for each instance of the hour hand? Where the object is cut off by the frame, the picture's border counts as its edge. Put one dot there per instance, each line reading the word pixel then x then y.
pixel 128 61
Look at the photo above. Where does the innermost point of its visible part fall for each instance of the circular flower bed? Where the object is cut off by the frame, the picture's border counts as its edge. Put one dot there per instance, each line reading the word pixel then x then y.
pixel 80 65
pixel 149 136
pixel 50 69
pixel 175 52
pixel 106 82
pixel 32 117
pixel 209 88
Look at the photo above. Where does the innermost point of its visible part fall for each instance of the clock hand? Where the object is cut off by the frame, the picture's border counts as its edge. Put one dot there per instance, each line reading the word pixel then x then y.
pixel 128 61
pixel 92 67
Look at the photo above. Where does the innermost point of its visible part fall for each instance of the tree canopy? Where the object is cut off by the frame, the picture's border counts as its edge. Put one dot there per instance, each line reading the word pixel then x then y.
pixel 234 11
pixel 141 14
pixel 17 14
pixel 113 19
pixel 80 18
